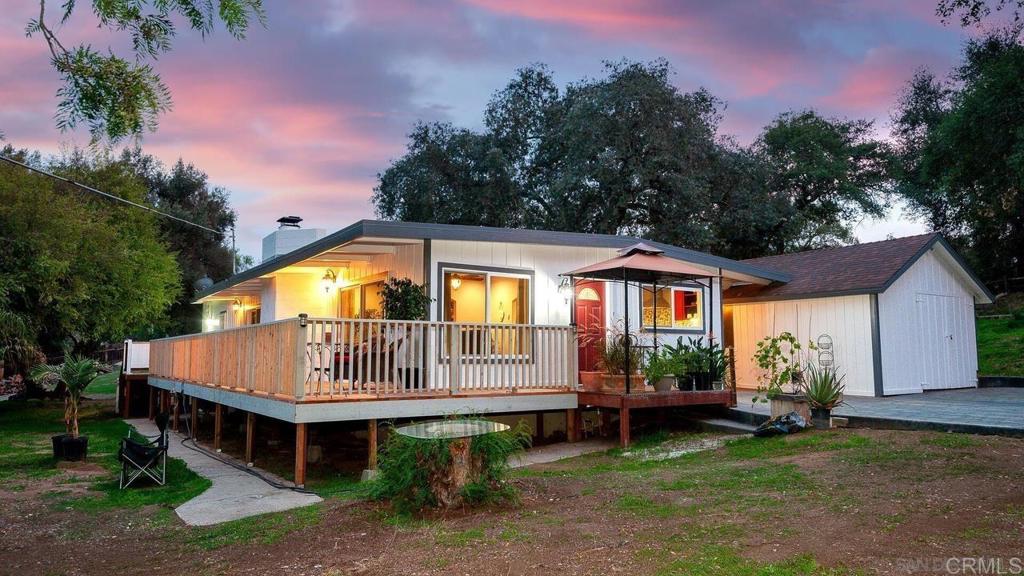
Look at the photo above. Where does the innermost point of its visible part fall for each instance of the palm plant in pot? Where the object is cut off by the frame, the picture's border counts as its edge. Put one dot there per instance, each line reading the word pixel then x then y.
pixel 824 388
pixel 74 374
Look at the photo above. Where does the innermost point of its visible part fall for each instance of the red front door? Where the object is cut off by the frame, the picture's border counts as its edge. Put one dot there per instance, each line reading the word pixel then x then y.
pixel 589 322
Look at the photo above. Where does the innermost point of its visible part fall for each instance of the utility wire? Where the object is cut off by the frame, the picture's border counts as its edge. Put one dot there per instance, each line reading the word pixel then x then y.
pixel 107 195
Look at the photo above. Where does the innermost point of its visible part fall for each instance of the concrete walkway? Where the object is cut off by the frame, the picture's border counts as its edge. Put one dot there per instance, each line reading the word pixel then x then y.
pixel 979 410
pixel 561 451
pixel 234 494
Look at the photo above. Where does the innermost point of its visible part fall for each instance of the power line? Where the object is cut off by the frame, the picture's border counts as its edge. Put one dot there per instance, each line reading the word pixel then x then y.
pixel 109 196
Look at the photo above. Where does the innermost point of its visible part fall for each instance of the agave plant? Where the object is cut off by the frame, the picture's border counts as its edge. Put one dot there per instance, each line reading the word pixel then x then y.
pixel 823 386
pixel 75 373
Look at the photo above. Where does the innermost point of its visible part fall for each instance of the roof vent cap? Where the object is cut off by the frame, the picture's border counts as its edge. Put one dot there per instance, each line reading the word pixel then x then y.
pixel 289 222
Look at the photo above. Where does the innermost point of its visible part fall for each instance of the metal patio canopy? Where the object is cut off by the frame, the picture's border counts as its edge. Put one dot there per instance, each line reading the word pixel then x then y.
pixel 641 264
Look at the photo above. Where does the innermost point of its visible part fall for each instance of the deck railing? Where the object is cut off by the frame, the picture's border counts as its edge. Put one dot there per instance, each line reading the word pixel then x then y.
pixel 320 358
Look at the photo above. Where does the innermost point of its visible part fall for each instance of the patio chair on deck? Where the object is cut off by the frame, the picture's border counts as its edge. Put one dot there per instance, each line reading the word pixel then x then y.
pixel 147 456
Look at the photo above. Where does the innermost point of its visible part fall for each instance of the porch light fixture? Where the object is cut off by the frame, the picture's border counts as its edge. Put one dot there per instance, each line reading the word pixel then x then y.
pixel 235 305
pixel 565 288
pixel 329 280
pixel 456 282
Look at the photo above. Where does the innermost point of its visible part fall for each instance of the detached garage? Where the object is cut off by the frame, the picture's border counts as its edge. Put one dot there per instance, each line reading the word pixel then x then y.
pixel 899 313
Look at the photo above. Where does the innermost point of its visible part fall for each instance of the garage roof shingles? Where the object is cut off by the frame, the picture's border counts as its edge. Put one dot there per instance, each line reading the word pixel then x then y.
pixel 857 269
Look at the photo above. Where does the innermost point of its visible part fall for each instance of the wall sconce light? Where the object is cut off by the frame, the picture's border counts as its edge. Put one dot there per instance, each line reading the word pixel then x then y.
pixel 456 282
pixel 565 288
pixel 328 281
pixel 235 305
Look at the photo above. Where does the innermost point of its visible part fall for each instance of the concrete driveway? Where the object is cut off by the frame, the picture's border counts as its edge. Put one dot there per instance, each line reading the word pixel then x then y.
pixel 978 410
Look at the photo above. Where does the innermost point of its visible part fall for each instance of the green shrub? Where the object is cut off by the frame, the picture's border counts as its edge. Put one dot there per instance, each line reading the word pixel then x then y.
pixel 409 467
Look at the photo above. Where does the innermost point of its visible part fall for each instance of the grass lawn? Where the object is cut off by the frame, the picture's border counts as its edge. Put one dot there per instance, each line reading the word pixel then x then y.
pixel 104 384
pixel 1000 347
pixel 26 459
pixel 818 503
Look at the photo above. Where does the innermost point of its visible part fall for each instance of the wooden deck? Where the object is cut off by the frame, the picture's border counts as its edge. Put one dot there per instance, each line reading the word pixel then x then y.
pixel 640 400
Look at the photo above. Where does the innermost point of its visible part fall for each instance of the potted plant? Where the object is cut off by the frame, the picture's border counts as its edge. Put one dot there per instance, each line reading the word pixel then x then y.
pixel 658 372
pixel 403 299
pixel 781 377
pixel 824 388
pixel 612 360
pixel 75 374
pixel 684 361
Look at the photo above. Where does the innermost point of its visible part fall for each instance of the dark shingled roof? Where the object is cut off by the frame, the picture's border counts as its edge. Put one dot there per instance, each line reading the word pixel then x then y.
pixel 858 269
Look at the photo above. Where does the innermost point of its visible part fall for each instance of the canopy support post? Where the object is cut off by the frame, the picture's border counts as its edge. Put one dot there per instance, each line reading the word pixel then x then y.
pixel 625 284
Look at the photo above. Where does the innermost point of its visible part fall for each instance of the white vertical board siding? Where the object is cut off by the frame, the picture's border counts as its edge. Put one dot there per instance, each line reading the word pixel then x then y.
pixel 546 263
pixel 926 320
pixel 847 319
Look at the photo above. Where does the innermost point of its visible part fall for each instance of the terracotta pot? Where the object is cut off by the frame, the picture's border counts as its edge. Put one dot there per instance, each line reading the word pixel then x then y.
pixel 617 382
pixel 591 381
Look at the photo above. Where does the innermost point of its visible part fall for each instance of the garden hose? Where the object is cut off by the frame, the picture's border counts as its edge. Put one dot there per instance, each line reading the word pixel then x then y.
pixel 189 442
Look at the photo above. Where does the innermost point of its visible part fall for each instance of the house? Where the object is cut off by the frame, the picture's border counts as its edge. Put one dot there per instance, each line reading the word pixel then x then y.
pixel 300 337
pixel 896 316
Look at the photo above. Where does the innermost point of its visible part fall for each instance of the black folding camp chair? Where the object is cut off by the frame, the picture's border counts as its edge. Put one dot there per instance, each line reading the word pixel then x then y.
pixel 147 456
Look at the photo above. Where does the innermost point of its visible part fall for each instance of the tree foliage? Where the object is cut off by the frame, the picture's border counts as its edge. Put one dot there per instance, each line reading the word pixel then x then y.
pixel 77 270
pixel 973 12
pixel 184 191
pixel 116 96
pixel 961 146
pixel 631 153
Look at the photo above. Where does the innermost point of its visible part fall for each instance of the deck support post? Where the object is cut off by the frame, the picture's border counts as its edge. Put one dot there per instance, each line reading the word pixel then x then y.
pixel 624 426
pixel 175 412
pixel 217 418
pixel 152 402
pixel 572 430
pixel 250 432
pixel 539 431
pixel 193 422
pixel 126 410
pixel 300 454
pixel 372 444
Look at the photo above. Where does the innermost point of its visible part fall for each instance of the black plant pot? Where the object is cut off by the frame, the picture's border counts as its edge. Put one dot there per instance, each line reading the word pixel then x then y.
pixel 821 418
pixel 75 449
pixel 684 382
pixel 702 380
pixel 58 445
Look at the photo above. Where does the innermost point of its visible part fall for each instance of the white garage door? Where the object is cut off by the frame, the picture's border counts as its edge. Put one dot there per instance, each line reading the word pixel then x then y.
pixel 945 342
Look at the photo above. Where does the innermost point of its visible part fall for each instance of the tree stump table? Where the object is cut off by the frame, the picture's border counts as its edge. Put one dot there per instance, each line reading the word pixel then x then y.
pixel 447 480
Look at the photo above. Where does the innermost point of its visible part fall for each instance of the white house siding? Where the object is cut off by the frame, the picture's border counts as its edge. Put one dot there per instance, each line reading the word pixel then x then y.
pixel 546 263
pixel 847 319
pixel 405 262
pixel 917 315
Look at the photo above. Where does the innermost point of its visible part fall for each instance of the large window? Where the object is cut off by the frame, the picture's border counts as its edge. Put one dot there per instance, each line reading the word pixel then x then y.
pixel 487 297
pixel 678 308
pixel 362 301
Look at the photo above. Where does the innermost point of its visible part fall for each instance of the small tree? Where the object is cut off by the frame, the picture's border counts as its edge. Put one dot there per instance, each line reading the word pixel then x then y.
pixel 778 357
pixel 76 373
pixel 403 299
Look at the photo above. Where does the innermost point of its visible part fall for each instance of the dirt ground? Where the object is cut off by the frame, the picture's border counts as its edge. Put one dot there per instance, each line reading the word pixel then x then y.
pixel 849 501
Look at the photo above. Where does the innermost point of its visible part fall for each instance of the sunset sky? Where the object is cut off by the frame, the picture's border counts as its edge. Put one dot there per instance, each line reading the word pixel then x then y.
pixel 300 117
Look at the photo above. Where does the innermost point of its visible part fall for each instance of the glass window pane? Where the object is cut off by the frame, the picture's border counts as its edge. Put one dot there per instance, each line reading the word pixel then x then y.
pixel 372 300
pixel 464 297
pixel 664 306
pixel 510 304
pixel 688 311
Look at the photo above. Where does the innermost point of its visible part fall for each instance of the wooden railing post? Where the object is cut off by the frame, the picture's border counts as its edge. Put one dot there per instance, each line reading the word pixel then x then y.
pixel 454 358
pixel 300 358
